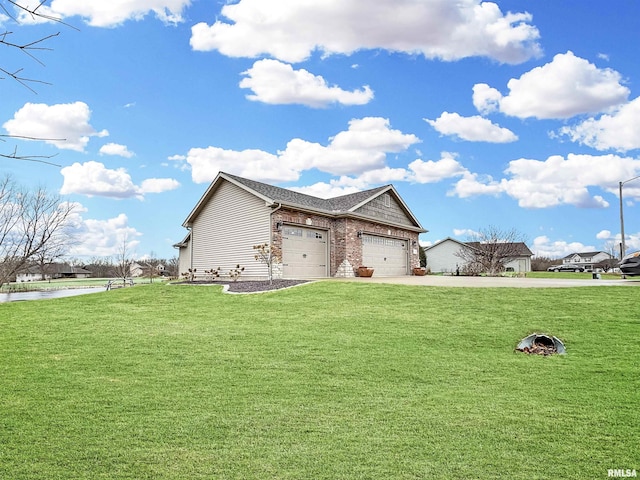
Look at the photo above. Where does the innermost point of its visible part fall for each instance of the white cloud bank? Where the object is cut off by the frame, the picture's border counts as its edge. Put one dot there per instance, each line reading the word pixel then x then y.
pixel 563 88
pixel 472 129
pixel 291 30
pixel 616 131
pixel 358 156
pixel 555 181
pixel 94 179
pixel 278 83
pixel 101 238
pixel 362 148
pixel 65 125
pixel 114 12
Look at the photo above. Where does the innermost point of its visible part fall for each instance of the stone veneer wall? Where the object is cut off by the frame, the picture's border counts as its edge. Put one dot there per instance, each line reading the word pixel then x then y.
pixel 344 244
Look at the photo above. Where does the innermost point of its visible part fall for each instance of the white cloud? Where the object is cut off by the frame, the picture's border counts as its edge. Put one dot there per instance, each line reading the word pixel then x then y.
pixel 474 184
pixel 603 235
pixel 435 171
pixel 115 12
pixel 556 181
pixel 291 30
pixel 102 238
pixel 361 148
pixel 466 232
pixel 472 129
pixel 278 83
pixel 485 98
pixel 158 185
pixel 563 88
pixel 545 247
pixel 64 125
pixel 334 188
pixel 259 165
pixel 616 131
pixel 116 149
pixel 94 179
pixel 345 184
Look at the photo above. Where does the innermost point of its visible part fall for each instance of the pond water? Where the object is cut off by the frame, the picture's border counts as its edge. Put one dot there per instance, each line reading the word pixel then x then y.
pixel 47 294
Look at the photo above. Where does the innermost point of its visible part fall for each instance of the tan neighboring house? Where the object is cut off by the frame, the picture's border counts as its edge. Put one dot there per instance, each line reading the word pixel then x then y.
pixel 310 237
pixel 442 256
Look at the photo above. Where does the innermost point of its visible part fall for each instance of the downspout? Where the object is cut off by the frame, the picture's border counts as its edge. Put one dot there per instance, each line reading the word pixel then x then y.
pixel 190 248
pixel 270 223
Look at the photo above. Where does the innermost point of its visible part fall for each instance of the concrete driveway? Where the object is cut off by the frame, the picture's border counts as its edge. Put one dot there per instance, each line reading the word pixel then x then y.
pixel 492 282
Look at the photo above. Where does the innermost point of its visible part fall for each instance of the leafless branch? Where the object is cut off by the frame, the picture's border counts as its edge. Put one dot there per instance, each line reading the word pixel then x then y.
pixel 17 11
pixel 28 158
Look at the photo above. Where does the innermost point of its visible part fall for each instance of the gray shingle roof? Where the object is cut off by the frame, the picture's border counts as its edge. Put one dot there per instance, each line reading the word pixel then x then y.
pixel 520 248
pixel 583 254
pixel 343 203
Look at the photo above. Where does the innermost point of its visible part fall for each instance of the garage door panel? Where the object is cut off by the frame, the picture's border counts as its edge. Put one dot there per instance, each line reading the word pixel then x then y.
pixel 387 256
pixel 304 252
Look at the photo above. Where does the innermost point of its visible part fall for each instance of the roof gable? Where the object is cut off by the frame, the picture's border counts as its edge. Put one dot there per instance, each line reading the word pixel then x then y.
pixel 448 239
pixel 521 248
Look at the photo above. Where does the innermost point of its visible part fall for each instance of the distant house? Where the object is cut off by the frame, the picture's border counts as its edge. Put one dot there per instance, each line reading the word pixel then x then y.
pixel 136 270
pixel 52 271
pixel 442 257
pixel 589 260
pixel 310 237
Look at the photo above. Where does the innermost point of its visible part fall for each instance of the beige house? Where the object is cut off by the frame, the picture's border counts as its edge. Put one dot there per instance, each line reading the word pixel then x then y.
pixel 442 257
pixel 310 237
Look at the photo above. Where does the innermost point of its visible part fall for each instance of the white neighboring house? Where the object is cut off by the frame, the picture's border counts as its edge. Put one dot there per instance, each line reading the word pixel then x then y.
pixel 587 259
pixel 442 257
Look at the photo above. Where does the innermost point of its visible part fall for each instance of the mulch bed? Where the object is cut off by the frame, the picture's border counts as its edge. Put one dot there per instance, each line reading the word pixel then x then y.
pixel 249 286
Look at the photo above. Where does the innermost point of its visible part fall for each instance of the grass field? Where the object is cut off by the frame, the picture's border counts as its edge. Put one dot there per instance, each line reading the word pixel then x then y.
pixel 324 381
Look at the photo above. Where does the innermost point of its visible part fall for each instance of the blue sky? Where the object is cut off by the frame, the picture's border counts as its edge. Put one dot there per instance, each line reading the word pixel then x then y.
pixel 518 115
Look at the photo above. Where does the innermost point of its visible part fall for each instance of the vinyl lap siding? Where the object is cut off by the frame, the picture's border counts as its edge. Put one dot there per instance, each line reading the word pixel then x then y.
pixel 442 257
pixel 184 259
pixel 227 228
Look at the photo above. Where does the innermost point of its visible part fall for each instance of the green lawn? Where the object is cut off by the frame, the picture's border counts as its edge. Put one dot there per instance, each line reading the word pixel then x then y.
pixel 324 381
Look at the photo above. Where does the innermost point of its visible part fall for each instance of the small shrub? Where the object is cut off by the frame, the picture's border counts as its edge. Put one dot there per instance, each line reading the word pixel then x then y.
pixel 235 273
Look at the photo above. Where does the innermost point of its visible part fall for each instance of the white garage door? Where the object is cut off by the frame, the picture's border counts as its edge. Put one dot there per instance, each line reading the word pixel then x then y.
pixel 304 252
pixel 388 256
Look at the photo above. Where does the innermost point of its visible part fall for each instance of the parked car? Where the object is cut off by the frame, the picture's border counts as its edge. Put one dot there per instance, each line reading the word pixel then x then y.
pixel 566 267
pixel 630 265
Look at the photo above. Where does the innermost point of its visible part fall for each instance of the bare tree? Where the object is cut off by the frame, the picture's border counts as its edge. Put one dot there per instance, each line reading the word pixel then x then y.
pixel 32 47
pixel 541 263
pixel 150 267
pixel 172 267
pixel 31 222
pixel 490 249
pixel 264 254
pixel 123 261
